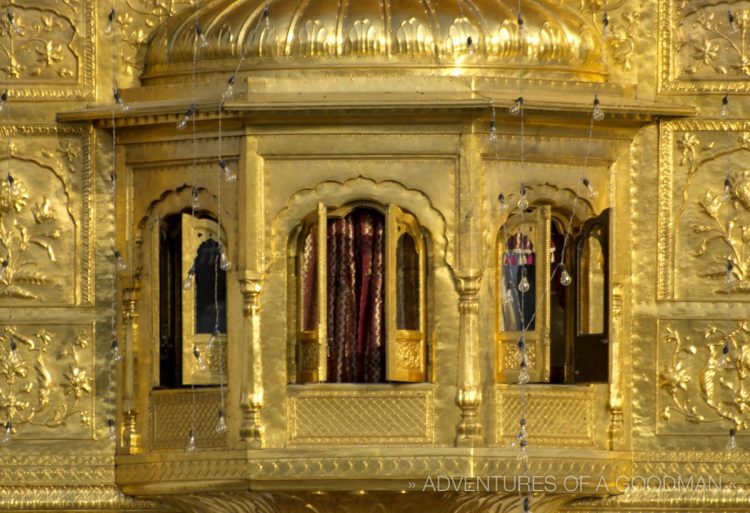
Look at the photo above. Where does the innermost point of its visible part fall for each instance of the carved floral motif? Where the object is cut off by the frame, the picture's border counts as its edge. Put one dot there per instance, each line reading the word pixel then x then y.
pixel 39 386
pixel 708 225
pixel 728 213
pixel 40 46
pixel 703 385
pixel 22 228
pixel 702 50
pixel 135 21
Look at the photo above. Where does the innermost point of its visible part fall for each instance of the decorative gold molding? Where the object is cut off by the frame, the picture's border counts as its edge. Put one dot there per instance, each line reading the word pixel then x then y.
pixel 556 415
pixel 361 502
pixel 22 463
pixel 66 498
pixel 366 416
pixel 171 412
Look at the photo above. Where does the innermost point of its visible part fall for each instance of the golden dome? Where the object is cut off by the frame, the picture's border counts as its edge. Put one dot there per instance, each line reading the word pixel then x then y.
pixel 482 36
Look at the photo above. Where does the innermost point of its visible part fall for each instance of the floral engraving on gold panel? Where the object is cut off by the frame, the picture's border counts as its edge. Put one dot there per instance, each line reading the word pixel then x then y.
pixel 47 383
pixel 702 226
pixel 621 29
pixel 700 49
pixel 134 23
pixel 560 417
pixel 698 383
pixel 46 213
pixel 50 53
pixel 341 417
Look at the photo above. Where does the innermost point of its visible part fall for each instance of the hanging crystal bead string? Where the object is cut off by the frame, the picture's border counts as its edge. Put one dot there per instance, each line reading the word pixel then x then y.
pixel 224 263
pixel 523 285
pixel 5 269
pixel 727 357
pixel 199 41
pixel 119 262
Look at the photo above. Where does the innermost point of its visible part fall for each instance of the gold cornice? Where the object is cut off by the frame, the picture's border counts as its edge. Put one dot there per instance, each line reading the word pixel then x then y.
pixel 155 112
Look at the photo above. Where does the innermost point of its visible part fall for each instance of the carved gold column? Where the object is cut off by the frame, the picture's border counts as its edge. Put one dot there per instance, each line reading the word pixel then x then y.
pixel 469 398
pixel 251 401
pixel 131 438
pixel 467 279
pixel 614 404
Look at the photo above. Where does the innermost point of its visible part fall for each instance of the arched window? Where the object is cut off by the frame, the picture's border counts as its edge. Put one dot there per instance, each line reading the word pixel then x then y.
pixel 192 301
pixel 566 323
pixel 360 296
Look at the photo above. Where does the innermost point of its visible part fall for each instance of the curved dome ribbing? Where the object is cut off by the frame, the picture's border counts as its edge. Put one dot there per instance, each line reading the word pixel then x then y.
pixel 336 34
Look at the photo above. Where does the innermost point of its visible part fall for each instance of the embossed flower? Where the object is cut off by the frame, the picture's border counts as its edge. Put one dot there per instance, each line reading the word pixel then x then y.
pixel 712 203
pixel 49 53
pixel 687 145
pixel 12 368
pixel 78 383
pixel 12 197
pixel 674 378
pixel 10 404
pixel 707 52
pixel 43 211
pixel 741 186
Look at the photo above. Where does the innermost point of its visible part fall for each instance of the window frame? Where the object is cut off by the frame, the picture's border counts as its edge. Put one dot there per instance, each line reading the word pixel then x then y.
pixel 187 374
pixel 538 341
pixel 403 363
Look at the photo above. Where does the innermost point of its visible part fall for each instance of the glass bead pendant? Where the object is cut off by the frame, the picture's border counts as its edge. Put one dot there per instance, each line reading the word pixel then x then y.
pixel 565 279
pixel 524 286
pixel 732 443
pixel 191 442
pixel 221 424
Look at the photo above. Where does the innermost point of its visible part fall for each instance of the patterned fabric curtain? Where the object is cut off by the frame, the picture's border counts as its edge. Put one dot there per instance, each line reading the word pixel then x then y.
pixel 356 289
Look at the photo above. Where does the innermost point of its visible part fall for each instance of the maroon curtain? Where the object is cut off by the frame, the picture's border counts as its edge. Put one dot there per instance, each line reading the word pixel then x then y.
pixel 356 286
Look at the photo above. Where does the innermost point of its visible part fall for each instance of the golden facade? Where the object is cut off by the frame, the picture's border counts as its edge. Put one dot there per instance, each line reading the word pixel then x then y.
pixel 386 106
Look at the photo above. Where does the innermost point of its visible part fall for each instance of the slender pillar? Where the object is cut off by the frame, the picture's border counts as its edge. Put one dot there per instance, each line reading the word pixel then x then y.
pixel 469 397
pixel 614 404
pixel 131 438
pixel 251 401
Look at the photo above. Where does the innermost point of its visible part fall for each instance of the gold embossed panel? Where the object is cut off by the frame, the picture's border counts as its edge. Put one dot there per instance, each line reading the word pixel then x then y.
pixel 47 387
pixel 700 390
pixel 172 414
pixel 700 50
pixel 46 217
pixel 51 54
pixel 344 417
pixel 557 415
pixel 700 225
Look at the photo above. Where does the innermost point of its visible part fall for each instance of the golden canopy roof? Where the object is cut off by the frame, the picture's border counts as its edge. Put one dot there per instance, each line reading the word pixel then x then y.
pixel 434 37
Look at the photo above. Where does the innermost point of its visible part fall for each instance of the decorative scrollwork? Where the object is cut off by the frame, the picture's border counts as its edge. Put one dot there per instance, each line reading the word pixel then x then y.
pixel 728 214
pixel 40 46
pixel 135 22
pixel 39 389
pixel 21 230
pixel 701 49
pixel 722 388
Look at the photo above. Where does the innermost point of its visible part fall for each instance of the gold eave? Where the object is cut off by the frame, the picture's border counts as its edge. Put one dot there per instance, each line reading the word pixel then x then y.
pixel 619 111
